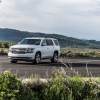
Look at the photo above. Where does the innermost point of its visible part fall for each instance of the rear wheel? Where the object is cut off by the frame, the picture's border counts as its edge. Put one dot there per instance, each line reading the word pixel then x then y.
pixel 37 58
pixel 13 61
pixel 55 58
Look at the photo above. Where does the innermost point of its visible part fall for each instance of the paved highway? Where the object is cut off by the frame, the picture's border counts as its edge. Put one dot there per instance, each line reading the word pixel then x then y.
pixel 45 68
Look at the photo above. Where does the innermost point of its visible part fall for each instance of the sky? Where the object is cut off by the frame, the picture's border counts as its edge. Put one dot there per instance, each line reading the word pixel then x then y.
pixel 74 18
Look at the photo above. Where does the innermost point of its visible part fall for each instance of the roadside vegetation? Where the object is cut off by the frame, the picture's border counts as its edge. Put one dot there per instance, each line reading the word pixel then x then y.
pixel 58 87
pixel 4 46
pixel 80 53
pixel 65 52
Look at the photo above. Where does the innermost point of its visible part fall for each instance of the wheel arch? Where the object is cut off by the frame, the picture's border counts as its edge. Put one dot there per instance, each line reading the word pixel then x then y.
pixel 56 51
pixel 39 53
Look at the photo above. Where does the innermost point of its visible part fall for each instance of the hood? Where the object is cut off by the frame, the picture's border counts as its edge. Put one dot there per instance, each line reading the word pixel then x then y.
pixel 23 46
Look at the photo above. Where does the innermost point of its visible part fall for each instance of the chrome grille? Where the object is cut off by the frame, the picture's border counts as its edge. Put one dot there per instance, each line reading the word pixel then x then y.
pixel 18 50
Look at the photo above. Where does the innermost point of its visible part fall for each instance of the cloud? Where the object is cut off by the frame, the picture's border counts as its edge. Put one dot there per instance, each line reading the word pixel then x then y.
pixel 78 18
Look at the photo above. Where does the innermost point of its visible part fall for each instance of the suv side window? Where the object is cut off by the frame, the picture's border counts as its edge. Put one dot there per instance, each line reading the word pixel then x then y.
pixel 49 42
pixel 44 43
pixel 56 42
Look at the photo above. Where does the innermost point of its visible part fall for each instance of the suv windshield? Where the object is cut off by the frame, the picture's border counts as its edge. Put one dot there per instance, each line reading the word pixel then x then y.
pixel 31 41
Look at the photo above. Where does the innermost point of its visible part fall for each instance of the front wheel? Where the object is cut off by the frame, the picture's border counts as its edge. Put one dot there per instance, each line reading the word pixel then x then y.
pixel 55 58
pixel 37 58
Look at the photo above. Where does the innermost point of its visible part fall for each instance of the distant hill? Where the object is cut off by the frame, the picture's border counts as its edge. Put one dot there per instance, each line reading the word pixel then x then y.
pixel 16 35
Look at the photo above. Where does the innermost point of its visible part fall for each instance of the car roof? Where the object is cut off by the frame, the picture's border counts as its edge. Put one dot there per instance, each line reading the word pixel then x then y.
pixel 40 38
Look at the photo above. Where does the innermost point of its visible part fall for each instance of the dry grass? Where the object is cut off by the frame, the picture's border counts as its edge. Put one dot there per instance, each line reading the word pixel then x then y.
pixel 80 52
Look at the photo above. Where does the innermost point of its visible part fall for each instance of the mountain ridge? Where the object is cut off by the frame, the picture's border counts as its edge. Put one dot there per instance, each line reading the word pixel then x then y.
pixel 7 34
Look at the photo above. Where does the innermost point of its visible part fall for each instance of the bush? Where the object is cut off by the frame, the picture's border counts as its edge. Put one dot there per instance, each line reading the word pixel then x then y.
pixel 76 85
pixel 73 88
pixel 59 87
pixel 6 45
pixel 3 52
pixel 37 87
pixel 91 90
pixel 11 88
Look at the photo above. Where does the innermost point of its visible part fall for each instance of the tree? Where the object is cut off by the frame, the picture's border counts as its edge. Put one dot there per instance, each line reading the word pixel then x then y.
pixel 6 45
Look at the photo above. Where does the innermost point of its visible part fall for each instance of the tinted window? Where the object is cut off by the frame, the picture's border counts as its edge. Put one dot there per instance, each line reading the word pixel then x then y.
pixel 44 43
pixel 49 42
pixel 31 41
pixel 56 42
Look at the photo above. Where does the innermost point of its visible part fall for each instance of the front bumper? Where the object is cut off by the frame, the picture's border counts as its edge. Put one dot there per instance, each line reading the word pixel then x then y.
pixel 23 57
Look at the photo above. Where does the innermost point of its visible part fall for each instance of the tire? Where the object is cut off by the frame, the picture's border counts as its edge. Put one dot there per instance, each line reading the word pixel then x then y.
pixel 13 61
pixel 55 58
pixel 37 58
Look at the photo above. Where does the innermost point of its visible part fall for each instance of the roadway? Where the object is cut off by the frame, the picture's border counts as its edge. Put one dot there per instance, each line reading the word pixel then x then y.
pixel 82 67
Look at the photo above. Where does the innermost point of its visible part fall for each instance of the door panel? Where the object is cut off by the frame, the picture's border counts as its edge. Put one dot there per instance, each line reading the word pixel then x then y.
pixel 50 47
pixel 44 49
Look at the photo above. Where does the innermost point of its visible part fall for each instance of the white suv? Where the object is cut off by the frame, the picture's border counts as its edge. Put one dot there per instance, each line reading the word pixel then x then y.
pixel 35 49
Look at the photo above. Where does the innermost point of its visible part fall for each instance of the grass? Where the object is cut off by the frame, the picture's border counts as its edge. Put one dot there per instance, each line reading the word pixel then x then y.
pixel 80 52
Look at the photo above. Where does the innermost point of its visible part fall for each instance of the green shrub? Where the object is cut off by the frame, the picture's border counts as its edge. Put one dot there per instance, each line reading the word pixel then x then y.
pixel 91 90
pixel 61 87
pixel 0 45
pixel 58 89
pixel 11 88
pixel 6 45
pixel 37 87
pixel 76 85
pixel 3 52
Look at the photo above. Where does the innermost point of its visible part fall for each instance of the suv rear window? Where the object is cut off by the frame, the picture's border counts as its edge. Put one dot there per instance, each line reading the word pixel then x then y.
pixel 56 42
pixel 49 42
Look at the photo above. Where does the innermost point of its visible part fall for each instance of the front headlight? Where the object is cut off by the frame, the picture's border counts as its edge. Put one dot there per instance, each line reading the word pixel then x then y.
pixel 29 50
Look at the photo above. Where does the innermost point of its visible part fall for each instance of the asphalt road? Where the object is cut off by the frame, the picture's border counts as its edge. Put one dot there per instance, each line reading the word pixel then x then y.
pixel 82 67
